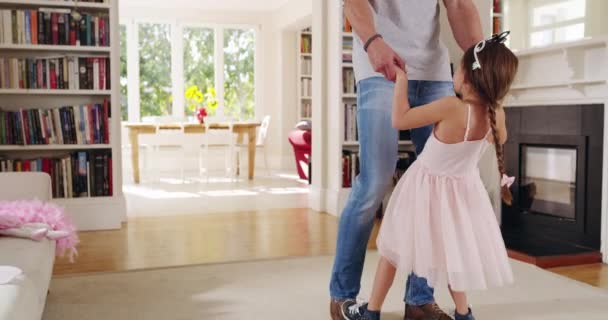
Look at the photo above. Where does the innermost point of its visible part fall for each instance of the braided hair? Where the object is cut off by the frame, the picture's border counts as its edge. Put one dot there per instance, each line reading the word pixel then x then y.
pixel 491 80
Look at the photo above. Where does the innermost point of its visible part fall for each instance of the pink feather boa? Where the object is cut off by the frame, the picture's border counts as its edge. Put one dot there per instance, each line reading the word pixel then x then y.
pixel 14 214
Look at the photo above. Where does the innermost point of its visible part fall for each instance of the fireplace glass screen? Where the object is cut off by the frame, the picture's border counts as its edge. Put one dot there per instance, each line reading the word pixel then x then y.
pixel 548 182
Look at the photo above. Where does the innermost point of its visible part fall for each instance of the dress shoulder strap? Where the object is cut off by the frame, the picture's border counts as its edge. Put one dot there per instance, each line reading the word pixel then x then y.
pixel 466 131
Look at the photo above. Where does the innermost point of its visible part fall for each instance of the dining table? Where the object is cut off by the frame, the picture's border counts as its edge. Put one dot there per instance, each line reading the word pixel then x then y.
pixel 241 129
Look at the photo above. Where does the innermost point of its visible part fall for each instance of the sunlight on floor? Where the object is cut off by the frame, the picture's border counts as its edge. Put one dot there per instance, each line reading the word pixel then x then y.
pixel 216 193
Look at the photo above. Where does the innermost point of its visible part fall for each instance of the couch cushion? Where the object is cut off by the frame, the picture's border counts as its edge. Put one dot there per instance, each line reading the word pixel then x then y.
pixel 29 290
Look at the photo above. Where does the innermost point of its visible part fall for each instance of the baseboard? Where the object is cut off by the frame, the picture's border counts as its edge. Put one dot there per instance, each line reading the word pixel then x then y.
pixel 316 199
pixel 103 213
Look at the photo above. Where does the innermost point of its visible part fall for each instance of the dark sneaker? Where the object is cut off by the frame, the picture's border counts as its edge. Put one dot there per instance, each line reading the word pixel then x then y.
pixel 351 310
pixel 429 311
pixel 335 309
pixel 461 317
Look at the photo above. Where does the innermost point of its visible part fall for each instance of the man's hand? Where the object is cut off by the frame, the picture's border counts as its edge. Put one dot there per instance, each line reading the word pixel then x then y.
pixel 384 59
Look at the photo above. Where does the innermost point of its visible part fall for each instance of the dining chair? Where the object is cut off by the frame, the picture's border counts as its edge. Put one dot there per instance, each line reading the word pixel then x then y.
pixel 260 143
pixel 218 139
pixel 162 141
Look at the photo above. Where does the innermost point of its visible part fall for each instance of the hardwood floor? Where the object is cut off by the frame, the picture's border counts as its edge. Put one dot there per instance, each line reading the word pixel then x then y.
pixel 593 274
pixel 157 242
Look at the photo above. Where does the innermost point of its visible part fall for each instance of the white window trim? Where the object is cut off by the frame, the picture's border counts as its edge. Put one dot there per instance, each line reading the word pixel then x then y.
pixel 177 64
pixel 539 3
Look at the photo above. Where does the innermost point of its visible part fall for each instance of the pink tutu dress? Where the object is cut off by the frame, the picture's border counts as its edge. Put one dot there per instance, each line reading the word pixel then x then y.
pixel 439 222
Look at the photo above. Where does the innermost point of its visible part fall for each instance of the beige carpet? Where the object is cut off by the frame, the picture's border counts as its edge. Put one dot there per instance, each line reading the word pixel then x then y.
pixel 293 289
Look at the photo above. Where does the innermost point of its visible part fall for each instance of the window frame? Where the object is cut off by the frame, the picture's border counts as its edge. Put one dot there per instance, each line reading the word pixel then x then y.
pixel 177 63
pixel 533 4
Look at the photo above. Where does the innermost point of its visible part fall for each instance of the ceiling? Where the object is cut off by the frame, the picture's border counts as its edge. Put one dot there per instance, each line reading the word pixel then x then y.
pixel 215 5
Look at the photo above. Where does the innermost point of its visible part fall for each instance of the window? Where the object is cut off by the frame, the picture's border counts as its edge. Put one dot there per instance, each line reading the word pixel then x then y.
pixel 199 63
pixel 124 107
pixel 239 89
pixel 155 69
pixel 554 21
pixel 169 59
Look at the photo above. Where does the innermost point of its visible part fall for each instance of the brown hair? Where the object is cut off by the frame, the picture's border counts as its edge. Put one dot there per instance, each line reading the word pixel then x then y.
pixel 492 83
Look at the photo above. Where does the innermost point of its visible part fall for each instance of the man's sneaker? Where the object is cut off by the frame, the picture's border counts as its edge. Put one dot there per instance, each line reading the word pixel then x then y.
pixel 461 317
pixel 351 310
pixel 335 309
pixel 429 311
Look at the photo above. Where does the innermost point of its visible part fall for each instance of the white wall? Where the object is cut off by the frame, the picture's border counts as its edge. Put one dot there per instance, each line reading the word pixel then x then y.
pixel 280 75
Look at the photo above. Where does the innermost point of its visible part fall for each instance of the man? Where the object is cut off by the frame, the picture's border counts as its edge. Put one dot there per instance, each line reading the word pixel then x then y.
pixel 392 33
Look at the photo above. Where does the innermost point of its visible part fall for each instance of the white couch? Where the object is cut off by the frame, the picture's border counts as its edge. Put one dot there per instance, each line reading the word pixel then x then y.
pixel 24 298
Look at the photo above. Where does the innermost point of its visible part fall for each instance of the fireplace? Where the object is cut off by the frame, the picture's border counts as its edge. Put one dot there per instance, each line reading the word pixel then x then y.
pixel 556 154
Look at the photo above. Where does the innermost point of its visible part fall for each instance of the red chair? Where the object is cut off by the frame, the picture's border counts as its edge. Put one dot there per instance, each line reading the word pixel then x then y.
pixel 301 140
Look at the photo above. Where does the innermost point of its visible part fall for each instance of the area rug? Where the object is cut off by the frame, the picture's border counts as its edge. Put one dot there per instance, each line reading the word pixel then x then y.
pixel 294 289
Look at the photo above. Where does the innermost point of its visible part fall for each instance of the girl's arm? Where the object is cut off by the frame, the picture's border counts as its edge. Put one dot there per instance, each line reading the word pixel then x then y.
pixel 404 117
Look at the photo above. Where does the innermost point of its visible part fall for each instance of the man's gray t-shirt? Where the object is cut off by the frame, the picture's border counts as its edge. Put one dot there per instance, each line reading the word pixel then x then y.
pixel 411 28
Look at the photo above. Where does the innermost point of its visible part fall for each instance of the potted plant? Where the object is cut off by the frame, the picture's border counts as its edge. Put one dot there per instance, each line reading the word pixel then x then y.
pixel 201 104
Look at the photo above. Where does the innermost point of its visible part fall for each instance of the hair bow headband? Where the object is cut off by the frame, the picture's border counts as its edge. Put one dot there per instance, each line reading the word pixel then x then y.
pixel 496 38
pixel 506 181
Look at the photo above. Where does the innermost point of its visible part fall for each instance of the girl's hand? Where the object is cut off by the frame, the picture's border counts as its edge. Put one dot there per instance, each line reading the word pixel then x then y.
pixel 401 73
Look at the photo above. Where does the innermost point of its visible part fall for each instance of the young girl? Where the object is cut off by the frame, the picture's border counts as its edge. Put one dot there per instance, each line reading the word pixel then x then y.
pixel 439 222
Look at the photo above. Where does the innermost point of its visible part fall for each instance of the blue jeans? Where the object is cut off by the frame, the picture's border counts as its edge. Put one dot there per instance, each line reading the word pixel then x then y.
pixel 378 158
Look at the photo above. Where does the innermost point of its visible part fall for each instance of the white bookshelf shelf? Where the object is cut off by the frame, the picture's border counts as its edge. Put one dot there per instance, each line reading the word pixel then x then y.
pixel 56 3
pixel 347 64
pixel 306 76
pixel 87 200
pixel 349 95
pixel 347 34
pixel 55 92
pixel 54 147
pixel 56 48
pixel 306 33
pixel 305 98
pixel 306 54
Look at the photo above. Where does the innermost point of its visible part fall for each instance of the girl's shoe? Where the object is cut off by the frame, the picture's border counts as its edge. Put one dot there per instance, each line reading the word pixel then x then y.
pixel 469 316
pixel 351 310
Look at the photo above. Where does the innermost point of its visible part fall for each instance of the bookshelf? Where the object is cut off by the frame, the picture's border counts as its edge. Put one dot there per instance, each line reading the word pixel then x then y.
pixel 305 76
pixel 498 18
pixel 86 165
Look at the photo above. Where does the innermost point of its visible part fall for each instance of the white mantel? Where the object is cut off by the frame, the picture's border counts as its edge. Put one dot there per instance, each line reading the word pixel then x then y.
pixel 575 73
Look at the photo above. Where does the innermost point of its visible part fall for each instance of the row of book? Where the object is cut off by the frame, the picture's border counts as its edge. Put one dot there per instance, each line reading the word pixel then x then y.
pixel 66 72
pixel 306 86
pixel 497 6
pixel 306 111
pixel 350 167
pixel 348 81
pixel 347 43
pixel 53 26
pixel 306 44
pixel 75 175
pixel 351 132
pixel 347 57
pixel 306 66
pixel 347 26
pixel 496 25
pixel 81 124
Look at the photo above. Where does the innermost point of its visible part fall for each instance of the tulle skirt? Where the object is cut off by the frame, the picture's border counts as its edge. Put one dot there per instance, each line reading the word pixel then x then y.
pixel 443 228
